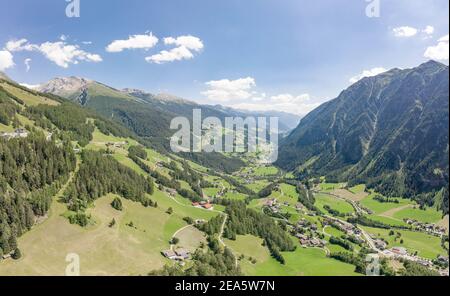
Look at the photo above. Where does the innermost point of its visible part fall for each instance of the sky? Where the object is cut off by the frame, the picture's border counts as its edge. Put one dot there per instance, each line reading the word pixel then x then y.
pixel 286 55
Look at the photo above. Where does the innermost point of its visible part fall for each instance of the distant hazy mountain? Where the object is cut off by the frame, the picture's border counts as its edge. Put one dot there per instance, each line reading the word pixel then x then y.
pixel 389 131
pixel 288 121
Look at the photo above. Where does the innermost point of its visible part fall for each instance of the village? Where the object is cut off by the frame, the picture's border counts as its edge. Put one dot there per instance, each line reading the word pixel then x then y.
pixel 430 228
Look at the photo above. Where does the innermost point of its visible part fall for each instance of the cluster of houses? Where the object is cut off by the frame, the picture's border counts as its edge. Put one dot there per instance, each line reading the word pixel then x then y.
pixel 172 192
pixel 247 177
pixel 306 225
pixel 302 227
pixel 308 241
pixel 18 133
pixel 207 205
pixel 427 227
pixel 273 205
pixel 299 207
pixel 177 255
pixel 348 228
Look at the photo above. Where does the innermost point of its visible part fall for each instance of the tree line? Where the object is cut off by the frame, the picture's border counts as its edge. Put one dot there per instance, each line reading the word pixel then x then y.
pixel 32 170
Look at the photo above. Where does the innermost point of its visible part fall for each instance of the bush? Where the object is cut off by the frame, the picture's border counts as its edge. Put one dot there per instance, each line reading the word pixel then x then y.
pixel 117 204
pixel 17 254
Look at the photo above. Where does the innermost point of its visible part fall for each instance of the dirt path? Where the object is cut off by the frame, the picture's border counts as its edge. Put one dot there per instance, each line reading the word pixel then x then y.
pixel 56 207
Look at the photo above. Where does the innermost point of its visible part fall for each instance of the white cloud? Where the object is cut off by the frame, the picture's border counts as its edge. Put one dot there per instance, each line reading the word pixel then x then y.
pixel 176 54
pixel 145 41
pixel 58 52
pixel 64 54
pixel 87 42
pixel 27 62
pixel 367 73
pixel 30 86
pixel 19 45
pixel 6 60
pixel 429 30
pixel 290 99
pixel 404 31
pixel 240 94
pixel 63 37
pixel 440 51
pixel 183 51
pixel 444 38
pixel 190 42
pixel 226 90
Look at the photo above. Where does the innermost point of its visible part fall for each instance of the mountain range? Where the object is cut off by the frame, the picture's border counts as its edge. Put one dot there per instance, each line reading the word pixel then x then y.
pixel 96 95
pixel 389 131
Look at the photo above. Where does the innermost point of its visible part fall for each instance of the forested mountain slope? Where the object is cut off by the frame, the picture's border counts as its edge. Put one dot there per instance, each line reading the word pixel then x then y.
pixel 39 134
pixel 389 131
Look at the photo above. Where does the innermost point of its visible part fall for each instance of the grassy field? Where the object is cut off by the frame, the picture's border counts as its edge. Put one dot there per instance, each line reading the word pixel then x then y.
pixel 120 250
pixel 350 195
pixel 357 189
pixel 333 202
pixel 395 213
pixel 302 262
pixel 257 185
pixel 289 190
pixel 266 171
pixel 327 187
pixel 378 208
pixel 235 195
pixel 211 191
pixel 6 128
pixel 387 220
pixel 190 238
pixel 429 215
pixel 29 98
pixel 427 246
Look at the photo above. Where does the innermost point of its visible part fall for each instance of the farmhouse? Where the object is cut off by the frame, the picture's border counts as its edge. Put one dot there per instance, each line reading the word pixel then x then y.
pixel 172 192
pixel 399 251
pixel 182 254
pixel 169 254
pixel 205 205
pixel 116 144
pixel 179 254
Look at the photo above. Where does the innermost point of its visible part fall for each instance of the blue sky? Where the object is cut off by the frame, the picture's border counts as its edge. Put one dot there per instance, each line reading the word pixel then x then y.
pixel 288 55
